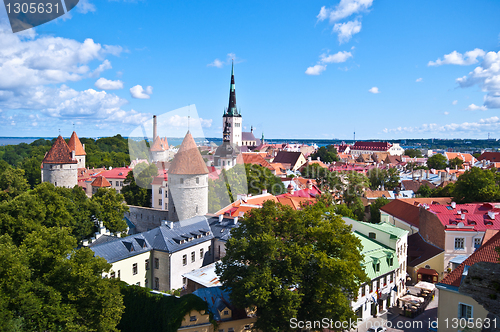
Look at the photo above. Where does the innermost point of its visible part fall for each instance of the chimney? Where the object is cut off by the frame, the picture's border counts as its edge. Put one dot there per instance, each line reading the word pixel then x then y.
pixel 453 205
pixel 264 191
pixel 154 127
pixel 221 217
pixel 463 216
pixel 235 220
pixel 73 154
pixel 309 158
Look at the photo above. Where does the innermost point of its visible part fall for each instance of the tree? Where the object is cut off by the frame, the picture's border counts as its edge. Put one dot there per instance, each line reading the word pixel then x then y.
pixel 325 179
pixel 109 209
pixel 424 191
pixel 326 154
pixel 412 153
pixel 437 161
pixel 477 185
pixel 137 189
pixel 443 191
pixel 12 182
pixel 455 163
pixel 260 178
pixel 304 264
pixel 375 209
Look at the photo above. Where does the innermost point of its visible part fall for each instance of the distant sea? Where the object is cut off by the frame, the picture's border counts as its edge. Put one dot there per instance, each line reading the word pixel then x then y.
pixel 18 140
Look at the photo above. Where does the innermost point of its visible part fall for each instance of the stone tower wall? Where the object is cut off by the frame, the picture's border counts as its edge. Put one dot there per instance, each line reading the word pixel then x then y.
pixel 60 175
pixel 81 161
pixel 187 197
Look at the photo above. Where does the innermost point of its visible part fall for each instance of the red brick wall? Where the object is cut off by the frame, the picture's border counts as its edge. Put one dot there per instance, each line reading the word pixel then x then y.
pixel 431 229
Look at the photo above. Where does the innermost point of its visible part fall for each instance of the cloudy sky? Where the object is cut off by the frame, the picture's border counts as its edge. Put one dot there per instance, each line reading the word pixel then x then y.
pixel 304 69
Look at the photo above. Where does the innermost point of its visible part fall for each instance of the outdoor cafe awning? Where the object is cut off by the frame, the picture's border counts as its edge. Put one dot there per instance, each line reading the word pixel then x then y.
pixel 425 286
pixel 412 299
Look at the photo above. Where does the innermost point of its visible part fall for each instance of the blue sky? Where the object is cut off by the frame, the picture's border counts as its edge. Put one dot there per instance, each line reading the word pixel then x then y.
pixel 304 69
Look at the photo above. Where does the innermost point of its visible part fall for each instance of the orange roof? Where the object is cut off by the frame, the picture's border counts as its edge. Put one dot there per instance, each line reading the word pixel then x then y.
pixel 159 144
pixel 488 234
pixel 254 158
pixel 376 193
pixel 485 253
pixel 294 201
pixel 101 182
pixel 74 144
pixel 317 162
pixel 188 159
pixel 59 153
pixel 243 206
pixel 466 157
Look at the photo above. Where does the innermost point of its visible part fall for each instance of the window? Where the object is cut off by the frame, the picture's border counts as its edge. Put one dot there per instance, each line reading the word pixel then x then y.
pixel 192 318
pixel 208 251
pixel 230 329
pixel 182 181
pixel 197 180
pixel 477 242
pixel 201 253
pixel 464 311
pixel 121 183
pixel 384 279
pixel 159 191
pixel 147 264
pixel 184 260
pixel 118 274
pixel 134 268
pixel 226 312
pixel 390 261
pixel 247 327
pixel 157 263
pixel 392 277
pixel 184 281
pixel 459 243
pixel 111 182
pixel 112 275
pixel 375 284
pixel 157 284
pixel 371 287
pixel 159 202
pixel 372 235
pixel 145 282
pixel 193 257
pixel 376 267
pixel 221 330
pixel 363 290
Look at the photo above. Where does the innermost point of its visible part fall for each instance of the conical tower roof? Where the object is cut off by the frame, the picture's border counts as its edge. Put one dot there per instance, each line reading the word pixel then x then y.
pixel 231 109
pixel 159 144
pixel 59 153
pixel 101 182
pixel 188 159
pixel 75 145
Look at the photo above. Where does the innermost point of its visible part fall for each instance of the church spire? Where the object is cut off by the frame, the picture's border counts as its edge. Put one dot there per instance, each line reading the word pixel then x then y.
pixel 232 110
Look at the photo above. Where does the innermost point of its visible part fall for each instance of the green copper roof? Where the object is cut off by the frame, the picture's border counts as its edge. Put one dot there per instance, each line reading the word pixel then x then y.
pixel 376 253
pixel 388 228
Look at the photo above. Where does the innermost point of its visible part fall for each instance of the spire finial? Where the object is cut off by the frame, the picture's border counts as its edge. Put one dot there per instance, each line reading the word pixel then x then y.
pixel 189 114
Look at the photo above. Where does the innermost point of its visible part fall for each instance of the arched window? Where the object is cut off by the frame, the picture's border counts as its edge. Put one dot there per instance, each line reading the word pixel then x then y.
pixel 197 182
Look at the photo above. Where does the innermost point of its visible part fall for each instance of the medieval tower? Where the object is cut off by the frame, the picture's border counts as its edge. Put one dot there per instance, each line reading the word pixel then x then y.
pixel 74 144
pixel 187 182
pixel 60 166
pixel 232 118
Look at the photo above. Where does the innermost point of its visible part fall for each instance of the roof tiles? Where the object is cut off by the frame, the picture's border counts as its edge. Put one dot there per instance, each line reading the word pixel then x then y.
pixel 59 153
pixel 188 159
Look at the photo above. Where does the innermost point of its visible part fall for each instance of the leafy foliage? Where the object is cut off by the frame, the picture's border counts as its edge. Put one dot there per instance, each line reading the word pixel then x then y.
pixel 424 191
pixel 375 209
pixel 304 264
pixel 412 153
pixel 437 161
pixel 145 312
pixel 138 185
pixel 388 178
pixel 326 154
pixel 455 163
pixel 477 185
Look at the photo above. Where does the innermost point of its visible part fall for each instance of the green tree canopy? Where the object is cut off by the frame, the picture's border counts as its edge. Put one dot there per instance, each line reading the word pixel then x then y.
pixel 477 185
pixel 412 153
pixel 375 209
pixel 437 161
pixel 455 163
pixel 304 264
pixel 326 154
pixel 138 185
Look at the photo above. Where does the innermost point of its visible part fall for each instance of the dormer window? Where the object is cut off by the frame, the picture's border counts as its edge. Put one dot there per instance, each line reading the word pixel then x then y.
pixel 372 235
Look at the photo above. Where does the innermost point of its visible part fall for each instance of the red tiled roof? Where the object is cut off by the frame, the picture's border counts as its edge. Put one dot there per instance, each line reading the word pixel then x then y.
pixel 101 181
pixel 74 144
pixel 188 159
pixel 59 153
pixel 255 158
pixel 403 210
pixel 376 193
pixel 466 157
pixel 491 156
pixel 115 173
pixel 373 146
pixel 415 185
pixel 485 253
pixel 476 216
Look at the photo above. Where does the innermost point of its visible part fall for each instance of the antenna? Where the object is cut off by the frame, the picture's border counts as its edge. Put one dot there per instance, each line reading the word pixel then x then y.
pixel 73 126
pixel 189 116
pixel 59 131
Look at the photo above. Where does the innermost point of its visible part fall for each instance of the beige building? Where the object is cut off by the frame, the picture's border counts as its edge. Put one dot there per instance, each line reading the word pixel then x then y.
pixel 455 306
pixel 158 258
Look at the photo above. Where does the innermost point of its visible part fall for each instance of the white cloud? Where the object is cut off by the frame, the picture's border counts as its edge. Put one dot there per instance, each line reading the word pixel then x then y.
pixel 102 67
pixel 419 79
pixel 344 9
pixel 139 93
pixel 473 107
pixel 454 102
pixel 105 84
pixel 483 125
pixel 456 58
pixel 27 61
pixel 346 30
pixel 84 6
pixel 230 58
pixel 217 63
pixel 315 70
pixel 487 77
pixel 335 58
pixel 374 90
pixel 183 121
pixel 446 113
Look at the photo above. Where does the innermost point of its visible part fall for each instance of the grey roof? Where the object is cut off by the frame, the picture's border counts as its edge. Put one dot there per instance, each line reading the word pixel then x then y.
pixel 204 276
pixel 221 229
pixel 182 235
pixel 247 136
pixel 103 239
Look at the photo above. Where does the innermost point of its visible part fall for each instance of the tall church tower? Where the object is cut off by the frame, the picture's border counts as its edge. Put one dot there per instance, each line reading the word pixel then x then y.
pixel 232 118
pixel 187 182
